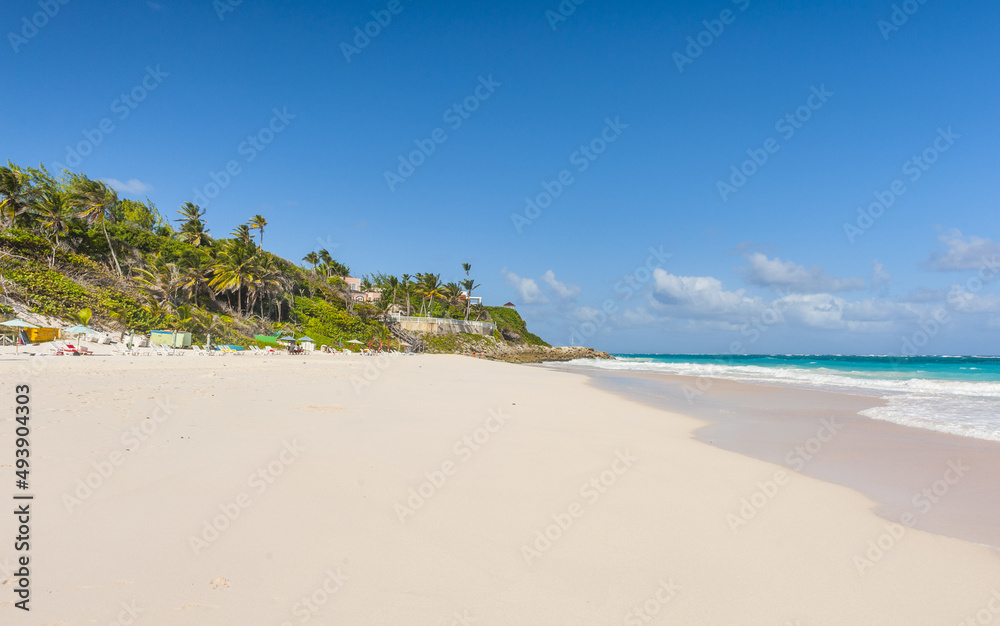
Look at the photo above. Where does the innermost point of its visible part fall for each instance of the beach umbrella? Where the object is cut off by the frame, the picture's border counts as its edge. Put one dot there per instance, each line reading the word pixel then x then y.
pixel 16 323
pixel 355 341
pixel 306 338
pixel 285 338
pixel 79 329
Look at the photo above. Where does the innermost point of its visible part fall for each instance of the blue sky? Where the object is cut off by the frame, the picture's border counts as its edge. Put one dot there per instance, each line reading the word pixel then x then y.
pixel 642 125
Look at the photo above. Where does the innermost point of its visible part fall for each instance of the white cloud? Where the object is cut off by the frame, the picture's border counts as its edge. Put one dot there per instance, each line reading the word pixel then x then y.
pixel 527 289
pixel 703 304
pixel 924 295
pixel 966 302
pixel 817 310
pixel 795 278
pixel 880 278
pixel 699 296
pixel 131 186
pixel 563 290
pixel 964 253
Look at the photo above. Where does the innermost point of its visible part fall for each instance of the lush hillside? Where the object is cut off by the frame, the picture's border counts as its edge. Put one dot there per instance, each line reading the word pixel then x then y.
pixel 69 244
pixel 512 326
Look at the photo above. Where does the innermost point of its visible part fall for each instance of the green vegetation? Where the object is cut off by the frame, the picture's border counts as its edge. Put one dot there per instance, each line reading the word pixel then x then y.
pixel 458 343
pixel 69 245
pixel 512 326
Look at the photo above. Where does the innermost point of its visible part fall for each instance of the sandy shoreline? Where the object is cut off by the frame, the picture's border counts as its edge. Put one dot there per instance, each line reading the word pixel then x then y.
pixel 319 489
pixel 820 434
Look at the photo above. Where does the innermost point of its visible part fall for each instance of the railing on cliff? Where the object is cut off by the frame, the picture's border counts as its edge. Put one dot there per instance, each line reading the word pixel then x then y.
pixel 444 321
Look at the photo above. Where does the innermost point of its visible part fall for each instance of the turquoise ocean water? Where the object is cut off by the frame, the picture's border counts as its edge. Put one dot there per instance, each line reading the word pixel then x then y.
pixel 954 394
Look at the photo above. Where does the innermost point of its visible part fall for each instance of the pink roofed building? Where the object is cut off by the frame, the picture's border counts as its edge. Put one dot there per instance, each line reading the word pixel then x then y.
pixel 354 284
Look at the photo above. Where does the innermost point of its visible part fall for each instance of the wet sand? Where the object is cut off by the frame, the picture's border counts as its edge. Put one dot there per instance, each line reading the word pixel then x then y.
pixel 947 483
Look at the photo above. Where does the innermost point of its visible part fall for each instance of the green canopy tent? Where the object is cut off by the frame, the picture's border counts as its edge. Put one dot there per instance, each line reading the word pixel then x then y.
pixel 17 323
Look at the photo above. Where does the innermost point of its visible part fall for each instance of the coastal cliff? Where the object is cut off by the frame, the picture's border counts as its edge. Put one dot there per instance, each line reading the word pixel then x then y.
pixel 540 354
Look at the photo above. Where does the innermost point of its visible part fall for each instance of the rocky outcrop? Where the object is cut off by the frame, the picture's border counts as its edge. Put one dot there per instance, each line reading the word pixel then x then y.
pixel 536 354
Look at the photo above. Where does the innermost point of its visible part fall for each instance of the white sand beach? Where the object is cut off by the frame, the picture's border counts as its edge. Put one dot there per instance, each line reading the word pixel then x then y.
pixel 433 490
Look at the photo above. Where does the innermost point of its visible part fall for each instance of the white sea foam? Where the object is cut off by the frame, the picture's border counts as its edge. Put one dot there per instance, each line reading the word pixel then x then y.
pixel 966 408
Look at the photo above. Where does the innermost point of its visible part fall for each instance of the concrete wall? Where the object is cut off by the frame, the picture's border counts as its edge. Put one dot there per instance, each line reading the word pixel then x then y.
pixel 443 326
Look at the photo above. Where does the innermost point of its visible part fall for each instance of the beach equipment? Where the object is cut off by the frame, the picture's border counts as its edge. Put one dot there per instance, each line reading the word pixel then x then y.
pixel 355 341
pixel 170 338
pixel 17 323
pixel 308 343
pixel 80 330
pixel 41 335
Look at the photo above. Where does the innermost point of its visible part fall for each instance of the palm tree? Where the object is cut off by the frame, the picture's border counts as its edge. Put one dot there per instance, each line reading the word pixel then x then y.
pixel 467 267
pixel 54 216
pixel 391 284
pixel 339 269
pixel 184 317
pixel 195 233
pixel 406 291
pixel 383 335
pixel 312 259
pixel 193 281
pixel 121 321
pixel 430 286
pixel 18 193
pixel 242 233
pixel 190 212
pixel 266 280
pixel 326 260
pixel 258 222
pixel 95 201
pixel 453 294
pixel 468 285
pixel 159 280
pixel 207 323
pixel 234 271
pixel 194 229
pixel 82 317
